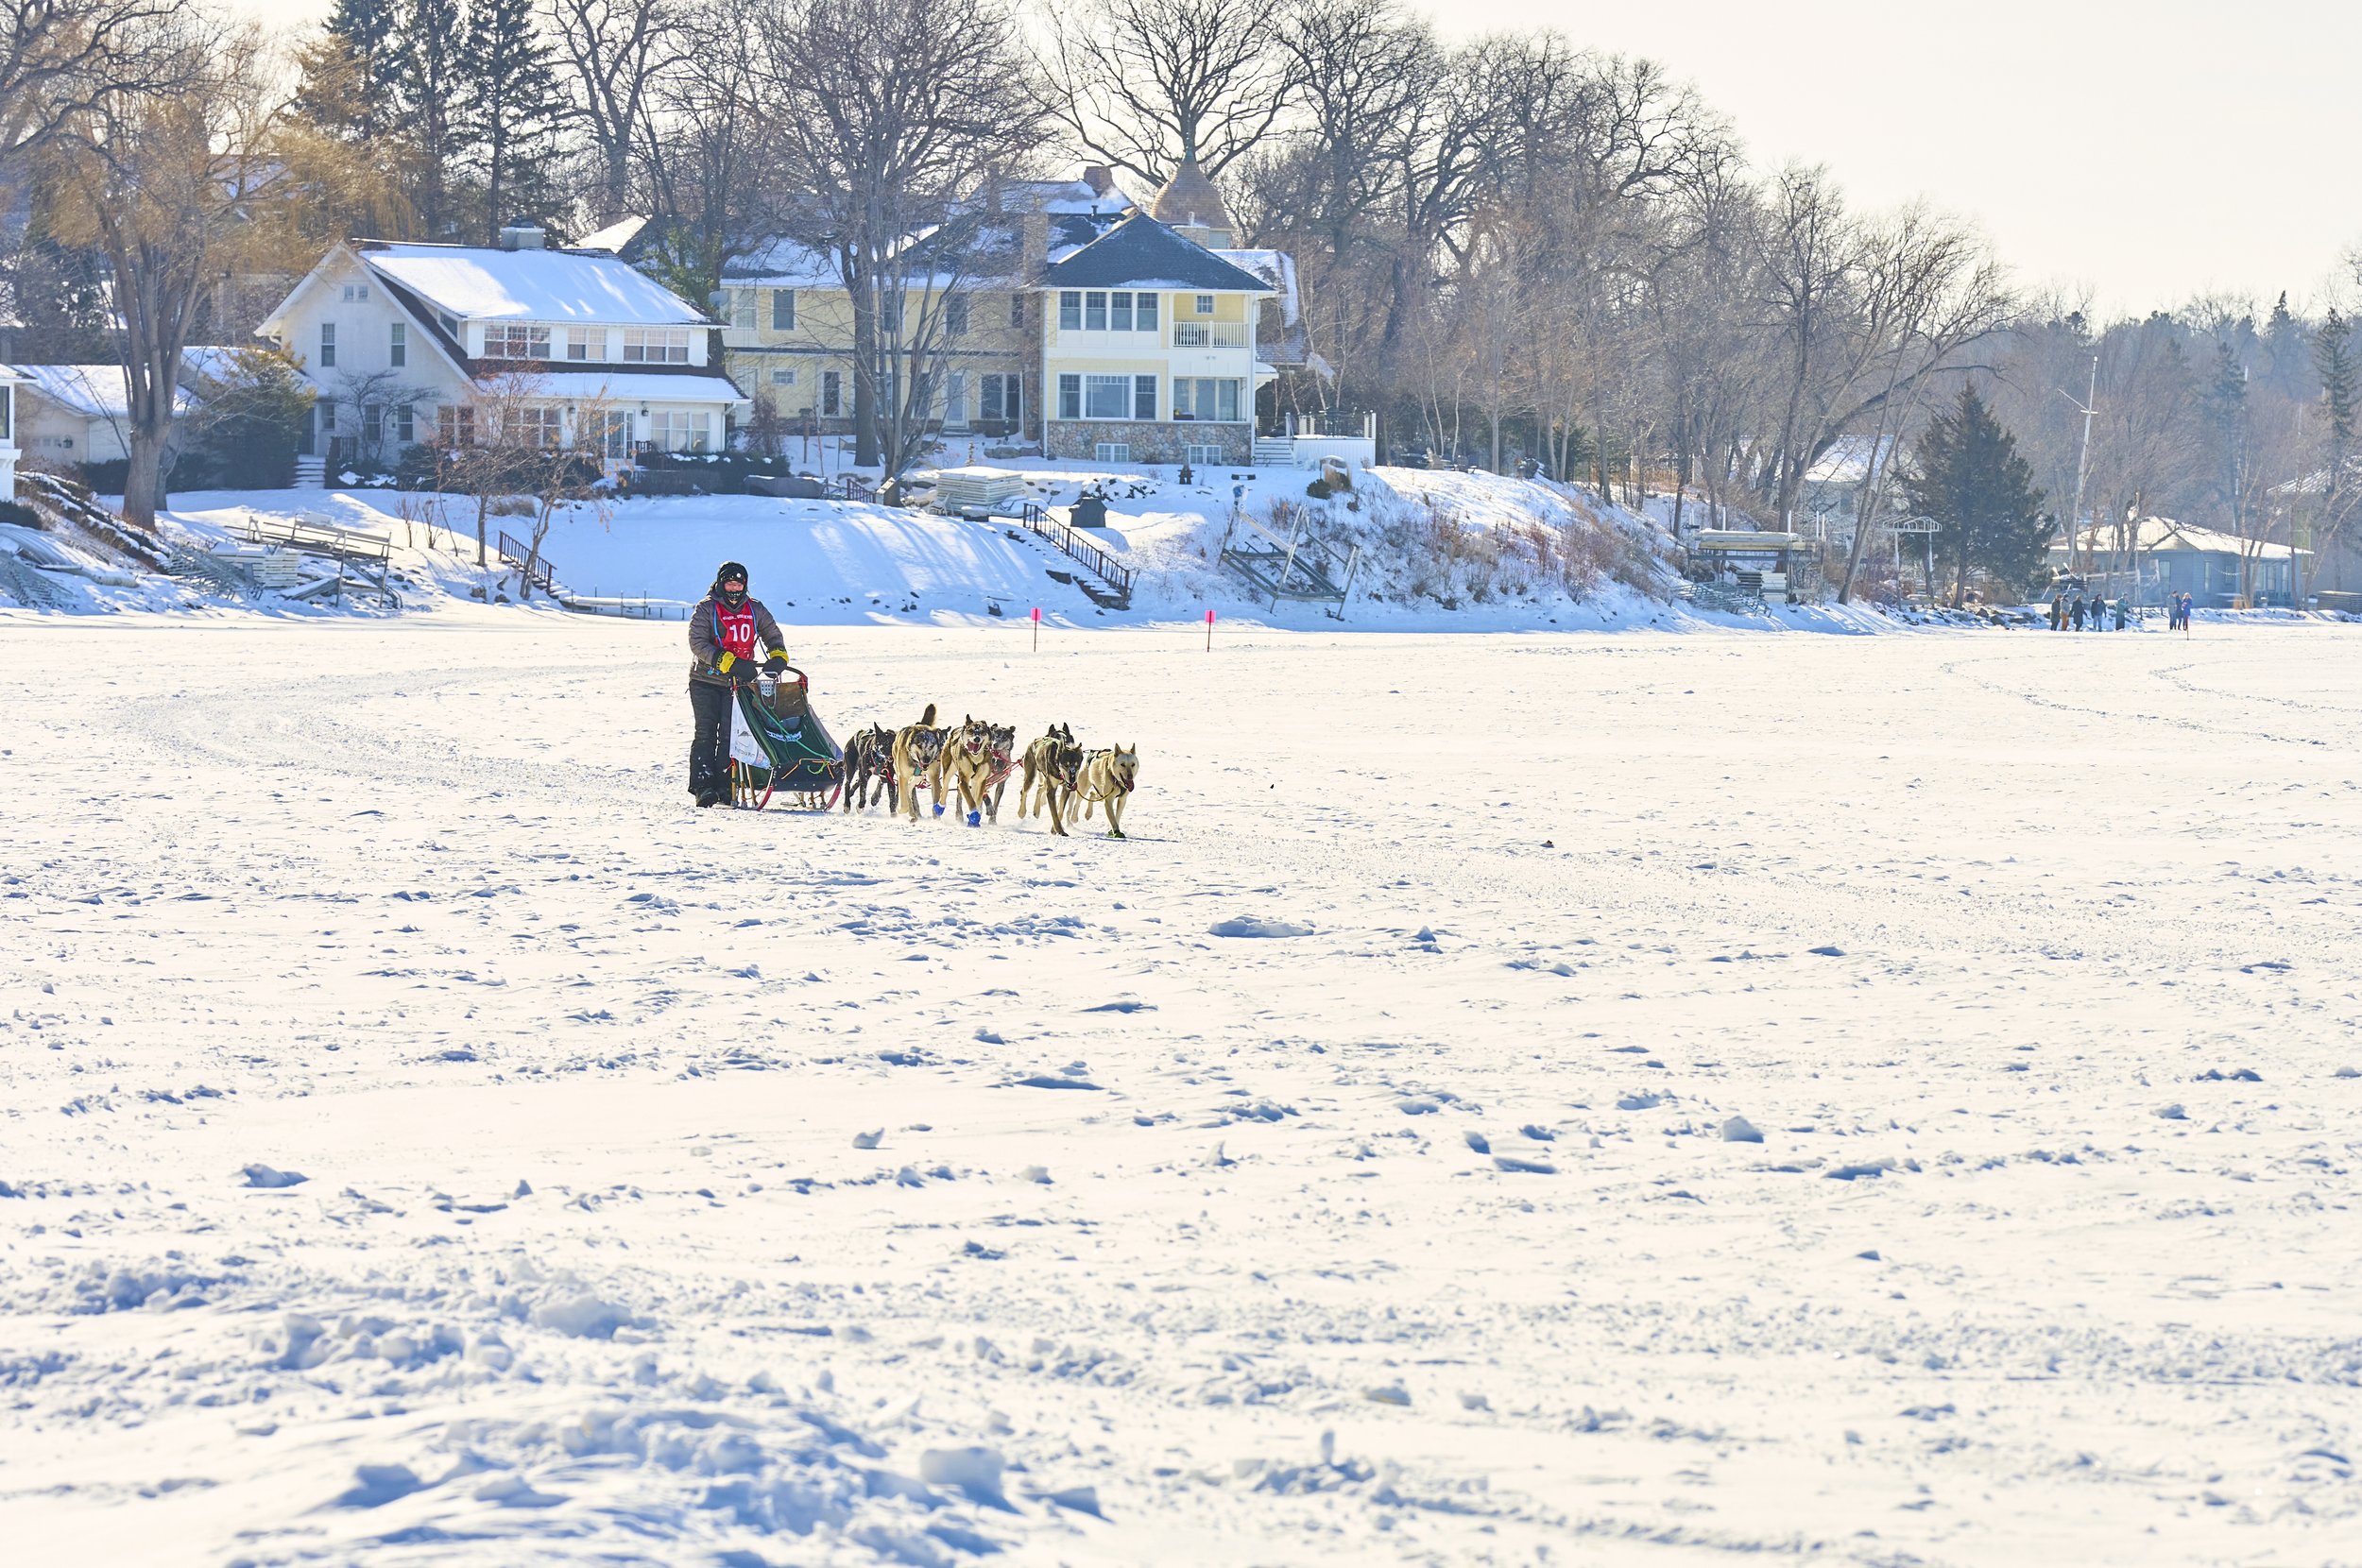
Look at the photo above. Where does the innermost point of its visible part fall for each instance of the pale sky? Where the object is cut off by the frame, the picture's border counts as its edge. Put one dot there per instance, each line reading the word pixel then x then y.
pixel 2146 152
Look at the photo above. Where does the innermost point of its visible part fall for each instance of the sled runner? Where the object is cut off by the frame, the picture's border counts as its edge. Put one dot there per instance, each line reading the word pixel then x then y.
pixel 779 746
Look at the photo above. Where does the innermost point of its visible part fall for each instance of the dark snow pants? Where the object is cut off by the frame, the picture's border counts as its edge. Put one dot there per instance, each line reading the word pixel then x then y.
pixel 710 742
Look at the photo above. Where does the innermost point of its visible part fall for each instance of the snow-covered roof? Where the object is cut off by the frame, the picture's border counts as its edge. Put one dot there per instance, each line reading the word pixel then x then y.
pixel 1848 460
pixel 2151 534
pixel 611 238
pixel 632 386
pixel 93 391
pixel 1278 271
pixel 481 283
pixel 1141 253
pixel 784 262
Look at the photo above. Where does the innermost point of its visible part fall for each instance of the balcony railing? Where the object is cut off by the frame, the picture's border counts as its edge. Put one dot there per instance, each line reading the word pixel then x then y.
pixel 1210 334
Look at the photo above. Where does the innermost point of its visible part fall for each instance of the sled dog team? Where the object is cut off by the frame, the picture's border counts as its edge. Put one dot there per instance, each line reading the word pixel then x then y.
pixel 975 759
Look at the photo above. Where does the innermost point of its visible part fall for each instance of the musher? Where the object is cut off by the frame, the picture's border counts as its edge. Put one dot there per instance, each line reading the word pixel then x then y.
pixel 724 632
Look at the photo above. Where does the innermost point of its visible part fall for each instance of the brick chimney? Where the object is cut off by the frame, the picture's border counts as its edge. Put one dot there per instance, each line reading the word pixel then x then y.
pixel 1101 179
pixel 1033 233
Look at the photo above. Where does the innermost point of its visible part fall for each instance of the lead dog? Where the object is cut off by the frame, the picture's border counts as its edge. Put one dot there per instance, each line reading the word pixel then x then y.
pixel 1051 764
pixel 917 754
pixel 1107 778
pixel 976 762
pixel 869 767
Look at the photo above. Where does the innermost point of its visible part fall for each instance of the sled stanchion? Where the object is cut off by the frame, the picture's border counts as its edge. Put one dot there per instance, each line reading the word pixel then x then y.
pixel 1038 628
pixel 1210 631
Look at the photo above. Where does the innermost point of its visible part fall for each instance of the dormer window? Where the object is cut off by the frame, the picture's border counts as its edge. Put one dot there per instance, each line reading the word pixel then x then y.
pixel 449 323
pixel 514 340
pixel 656 344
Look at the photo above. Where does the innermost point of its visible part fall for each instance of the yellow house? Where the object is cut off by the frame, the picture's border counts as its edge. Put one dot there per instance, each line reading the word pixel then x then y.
pixel 1076 322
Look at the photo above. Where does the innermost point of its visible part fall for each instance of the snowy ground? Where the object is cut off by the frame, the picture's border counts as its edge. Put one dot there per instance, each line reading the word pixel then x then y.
pixel 1332 1173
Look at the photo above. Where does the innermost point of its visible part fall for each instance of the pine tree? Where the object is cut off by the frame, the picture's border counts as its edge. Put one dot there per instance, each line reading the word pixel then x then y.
pixel 513 111
pixel 2224 402
pixel 353 73
pixel 2341 389
pixel 2341 403
pixel 2285 341
pixel 1966 473
pixel 430 72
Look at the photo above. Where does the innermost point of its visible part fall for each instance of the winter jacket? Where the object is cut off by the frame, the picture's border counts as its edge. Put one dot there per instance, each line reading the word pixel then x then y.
pixel 709 625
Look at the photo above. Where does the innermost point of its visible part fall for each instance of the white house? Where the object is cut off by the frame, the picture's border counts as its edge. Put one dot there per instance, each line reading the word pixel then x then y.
pixel 403 341
pixel 69 417
pixel 10 382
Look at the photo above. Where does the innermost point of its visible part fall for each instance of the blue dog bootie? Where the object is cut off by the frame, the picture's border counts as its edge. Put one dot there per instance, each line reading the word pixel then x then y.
pixel 975 819
pixel 938 808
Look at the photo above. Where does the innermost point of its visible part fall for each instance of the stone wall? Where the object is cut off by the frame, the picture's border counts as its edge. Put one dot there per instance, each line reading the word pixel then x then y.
pixel 1153 441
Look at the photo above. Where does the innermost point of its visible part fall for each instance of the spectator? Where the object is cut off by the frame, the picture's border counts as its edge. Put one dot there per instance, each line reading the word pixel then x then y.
pixel 2121 612
pixel 2075 611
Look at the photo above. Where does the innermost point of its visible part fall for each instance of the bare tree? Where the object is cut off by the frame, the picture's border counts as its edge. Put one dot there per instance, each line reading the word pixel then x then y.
pixel 62 60
pixel 1152 85
pixel 889 112
pixel 707 153
pixel 171 186
pixel 615 53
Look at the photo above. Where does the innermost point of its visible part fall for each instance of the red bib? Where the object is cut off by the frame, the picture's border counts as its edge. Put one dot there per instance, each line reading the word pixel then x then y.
pixel 734 629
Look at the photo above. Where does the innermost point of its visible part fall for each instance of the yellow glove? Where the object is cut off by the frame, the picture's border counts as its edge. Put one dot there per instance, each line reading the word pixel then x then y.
pixel 724 663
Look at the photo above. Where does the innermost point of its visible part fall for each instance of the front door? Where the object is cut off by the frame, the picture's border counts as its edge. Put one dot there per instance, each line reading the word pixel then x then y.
pixel 955 400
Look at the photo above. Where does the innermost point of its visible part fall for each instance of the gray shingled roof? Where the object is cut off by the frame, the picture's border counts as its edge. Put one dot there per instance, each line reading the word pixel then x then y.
pixel 1140 252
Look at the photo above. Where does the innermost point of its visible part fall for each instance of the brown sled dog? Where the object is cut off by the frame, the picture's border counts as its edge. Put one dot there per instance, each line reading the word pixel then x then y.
pixel 976 761
pixel 1107 778
pixel 917 755
pixel 1048 784
pixel 869 768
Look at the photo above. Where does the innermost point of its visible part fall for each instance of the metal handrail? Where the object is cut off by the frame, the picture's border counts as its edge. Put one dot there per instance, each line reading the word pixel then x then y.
pixel 1117 575
pixel 529 561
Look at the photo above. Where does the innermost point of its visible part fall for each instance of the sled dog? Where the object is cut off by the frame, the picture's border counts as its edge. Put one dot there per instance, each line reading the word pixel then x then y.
pixel 1107 778
pixel 976 761
pixel 1051 763
pixel 917 755
pixel 869 767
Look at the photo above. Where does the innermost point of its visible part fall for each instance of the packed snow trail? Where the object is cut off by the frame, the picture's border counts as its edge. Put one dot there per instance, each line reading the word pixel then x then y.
pixel 428 1140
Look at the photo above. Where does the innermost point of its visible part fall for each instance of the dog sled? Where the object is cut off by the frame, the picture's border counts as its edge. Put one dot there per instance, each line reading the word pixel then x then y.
pixel 779 747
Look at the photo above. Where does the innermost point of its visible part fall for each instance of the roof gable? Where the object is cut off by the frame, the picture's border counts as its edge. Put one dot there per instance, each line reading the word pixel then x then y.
pixel 1141 253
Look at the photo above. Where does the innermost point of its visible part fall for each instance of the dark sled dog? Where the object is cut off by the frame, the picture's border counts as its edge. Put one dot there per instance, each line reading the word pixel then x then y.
pixel 869 768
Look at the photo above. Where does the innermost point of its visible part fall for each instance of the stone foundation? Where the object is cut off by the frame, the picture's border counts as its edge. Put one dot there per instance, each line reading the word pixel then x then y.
pixel 1153 441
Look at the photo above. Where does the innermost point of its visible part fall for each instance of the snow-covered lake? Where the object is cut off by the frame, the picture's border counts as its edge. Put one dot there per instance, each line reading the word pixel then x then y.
pixel 721 1188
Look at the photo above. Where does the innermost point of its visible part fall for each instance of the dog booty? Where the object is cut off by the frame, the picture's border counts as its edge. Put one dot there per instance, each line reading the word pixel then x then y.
pixel 938 808
pixel 975 819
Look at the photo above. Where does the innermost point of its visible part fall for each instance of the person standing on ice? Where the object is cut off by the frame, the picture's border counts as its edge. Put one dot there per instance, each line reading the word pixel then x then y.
pixel 2058 612
pixel 2122 614
pixel 724 632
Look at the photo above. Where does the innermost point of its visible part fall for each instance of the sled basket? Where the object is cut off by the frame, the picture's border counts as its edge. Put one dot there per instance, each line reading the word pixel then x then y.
pixel 797 757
